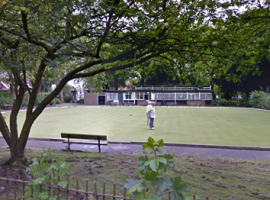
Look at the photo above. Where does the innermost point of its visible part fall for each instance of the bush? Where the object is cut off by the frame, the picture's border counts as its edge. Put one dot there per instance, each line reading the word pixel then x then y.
pixel 220 102
pixel 58 101
pixel 39 99
pixel 81 101
pixel 152 183
pixel 25 101
pixel 255 98
pixel 53 102
pixel 6 98
pixel 243 103
pixel 67 99
pixel 44 172
pixel 267 102
pixel 231 103
pixel 260 99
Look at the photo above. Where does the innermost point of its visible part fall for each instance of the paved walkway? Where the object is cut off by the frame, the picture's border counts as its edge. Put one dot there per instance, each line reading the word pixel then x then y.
pixel 135 148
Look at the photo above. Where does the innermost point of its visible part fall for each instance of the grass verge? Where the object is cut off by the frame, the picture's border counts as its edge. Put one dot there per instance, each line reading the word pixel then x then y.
pixel 216 178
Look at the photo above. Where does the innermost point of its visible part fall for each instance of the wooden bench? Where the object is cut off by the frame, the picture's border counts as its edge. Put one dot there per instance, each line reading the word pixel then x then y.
pixel 8 106
pixel 80 137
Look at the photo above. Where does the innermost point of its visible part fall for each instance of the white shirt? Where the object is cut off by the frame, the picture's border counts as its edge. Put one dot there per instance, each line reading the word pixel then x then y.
pixel 148 108
pixel 153 113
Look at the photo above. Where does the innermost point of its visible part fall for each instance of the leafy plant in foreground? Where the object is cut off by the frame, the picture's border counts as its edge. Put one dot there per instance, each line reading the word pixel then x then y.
pixel 151 183
pixel 45 170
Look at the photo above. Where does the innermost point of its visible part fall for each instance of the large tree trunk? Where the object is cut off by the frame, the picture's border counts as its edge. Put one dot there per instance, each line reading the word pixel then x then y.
pixel 16 154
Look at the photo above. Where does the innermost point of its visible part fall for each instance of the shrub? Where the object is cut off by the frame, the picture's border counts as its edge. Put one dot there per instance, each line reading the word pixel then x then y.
pixel 81 101
pixel 25 101
pixel 231 103
pixel 255 98
pixel 243 103
pixel 53 102
pixel 151 182
pixel 58 101
pixel 44 172
pixel 220 102
pixel 67 99
pixel 260 99
pixel 67 90
pixel 6 98
pixel 265 101
pixel 39 99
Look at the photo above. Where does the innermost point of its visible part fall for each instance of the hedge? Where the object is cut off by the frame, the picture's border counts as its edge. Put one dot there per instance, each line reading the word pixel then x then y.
pixel 260 99
pixel 6 98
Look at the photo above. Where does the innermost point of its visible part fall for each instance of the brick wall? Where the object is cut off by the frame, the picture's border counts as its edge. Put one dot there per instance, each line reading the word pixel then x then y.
pixel 143 102
pixel 91 99
pixel 192 102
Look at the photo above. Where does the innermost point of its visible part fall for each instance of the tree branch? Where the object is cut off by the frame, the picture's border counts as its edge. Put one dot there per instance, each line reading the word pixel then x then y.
pixel 30 39
pixel 4 129
pixel 132 64
pixel 80 75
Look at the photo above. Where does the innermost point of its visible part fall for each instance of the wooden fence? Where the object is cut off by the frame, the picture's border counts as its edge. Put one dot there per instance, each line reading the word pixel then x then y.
pixel 15 189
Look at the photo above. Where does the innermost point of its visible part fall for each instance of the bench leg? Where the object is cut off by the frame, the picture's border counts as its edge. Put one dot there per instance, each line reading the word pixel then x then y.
pixel 98 144
pixel 68 145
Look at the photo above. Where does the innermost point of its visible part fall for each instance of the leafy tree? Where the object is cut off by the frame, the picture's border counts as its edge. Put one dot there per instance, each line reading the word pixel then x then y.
pixel 41 40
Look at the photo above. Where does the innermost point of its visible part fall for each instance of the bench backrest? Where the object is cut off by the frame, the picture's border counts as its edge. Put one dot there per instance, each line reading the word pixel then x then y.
pixel 83 136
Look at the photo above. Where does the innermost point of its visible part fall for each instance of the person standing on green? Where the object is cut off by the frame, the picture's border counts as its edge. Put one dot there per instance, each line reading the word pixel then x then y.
pixel 152 116
pixel 148 108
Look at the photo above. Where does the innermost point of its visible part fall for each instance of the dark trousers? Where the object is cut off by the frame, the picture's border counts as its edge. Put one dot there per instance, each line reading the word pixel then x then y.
pixel 151 122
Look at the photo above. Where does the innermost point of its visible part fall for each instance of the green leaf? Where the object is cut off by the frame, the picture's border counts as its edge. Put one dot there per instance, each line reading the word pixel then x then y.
pixel 162 149
pixel 160 142
pixel 140 196
pixel 141 165
pixel 169 159
pixel 151 141
pixel 179 190
pixel 131 183
pixel 148 150
pixel 138 187
pixel 150 176
pixel 63 184
pixel 161 183
pixel 154 162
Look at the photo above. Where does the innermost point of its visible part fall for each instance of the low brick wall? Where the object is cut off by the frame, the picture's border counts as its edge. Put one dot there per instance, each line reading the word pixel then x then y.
pixel 143 102
pixel 91 99
pixel 195 102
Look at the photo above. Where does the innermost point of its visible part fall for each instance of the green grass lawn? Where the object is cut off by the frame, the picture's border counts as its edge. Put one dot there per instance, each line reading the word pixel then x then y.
pixel 220 126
